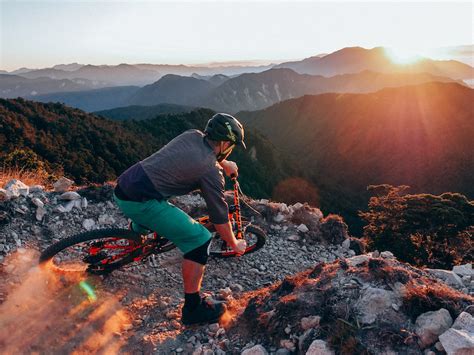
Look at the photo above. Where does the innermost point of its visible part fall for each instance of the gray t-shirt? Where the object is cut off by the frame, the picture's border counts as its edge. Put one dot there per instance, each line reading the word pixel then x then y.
pixel 185 164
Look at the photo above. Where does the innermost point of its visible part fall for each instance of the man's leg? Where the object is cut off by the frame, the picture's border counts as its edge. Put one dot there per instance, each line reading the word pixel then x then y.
pixel 192 276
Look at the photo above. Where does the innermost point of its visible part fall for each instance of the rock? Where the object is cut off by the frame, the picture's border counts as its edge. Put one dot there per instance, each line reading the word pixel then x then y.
pixel 106 219
pixel 282 351
pixel 457 342
pixel 357 260
pixel 464 322
pixel 69 206
pixel 464 270
pixel 346 244
pixel 279 218
pixel 297 206
pixel 319 347
pixel 288 344
pixel 387 255
pixel 430 325
pixel 255 350
pixel 40 213
pixel 84 203
pixel 302 228
pixel 37 202
pixel 60 209
pixel 214 327
pixel 294 238
pixel 70 195
pixel 373 302
pixel 310 322
pixel 4 195
pixel 236 288
pixel 16 188
pixel 63 184
pixel 88 224
pixel 447 276
pixel 438 346
pixel 288 330
pixel 36 188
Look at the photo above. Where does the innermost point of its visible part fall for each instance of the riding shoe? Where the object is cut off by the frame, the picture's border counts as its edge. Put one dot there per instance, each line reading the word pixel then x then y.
pixel 205 312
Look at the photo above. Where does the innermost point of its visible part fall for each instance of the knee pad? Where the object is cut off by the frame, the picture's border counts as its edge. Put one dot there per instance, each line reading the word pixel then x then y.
pixel 200 254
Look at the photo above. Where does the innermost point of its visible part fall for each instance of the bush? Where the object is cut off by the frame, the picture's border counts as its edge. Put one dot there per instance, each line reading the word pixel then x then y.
pixel 422 229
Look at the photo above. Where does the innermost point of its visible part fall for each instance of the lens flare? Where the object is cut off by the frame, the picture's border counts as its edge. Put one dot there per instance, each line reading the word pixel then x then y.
pixel 89 290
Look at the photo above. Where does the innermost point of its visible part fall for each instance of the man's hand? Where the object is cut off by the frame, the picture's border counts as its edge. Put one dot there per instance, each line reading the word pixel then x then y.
pixel 240 247
pixel 230 168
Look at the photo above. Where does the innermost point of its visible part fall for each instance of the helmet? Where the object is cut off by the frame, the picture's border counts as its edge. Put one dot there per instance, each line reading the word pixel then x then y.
pixel 224 127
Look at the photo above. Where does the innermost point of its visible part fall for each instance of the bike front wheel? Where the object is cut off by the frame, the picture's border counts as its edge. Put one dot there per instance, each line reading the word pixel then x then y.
pixel 98 251
pixel 253 235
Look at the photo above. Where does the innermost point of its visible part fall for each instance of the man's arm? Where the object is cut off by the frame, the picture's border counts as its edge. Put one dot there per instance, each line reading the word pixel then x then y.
pixel 226 233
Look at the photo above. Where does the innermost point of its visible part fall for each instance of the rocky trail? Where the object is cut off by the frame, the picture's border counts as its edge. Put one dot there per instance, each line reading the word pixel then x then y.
pixel 312 289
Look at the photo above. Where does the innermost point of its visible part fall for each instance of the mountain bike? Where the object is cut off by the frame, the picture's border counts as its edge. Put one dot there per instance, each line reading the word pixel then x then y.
pixel 102 251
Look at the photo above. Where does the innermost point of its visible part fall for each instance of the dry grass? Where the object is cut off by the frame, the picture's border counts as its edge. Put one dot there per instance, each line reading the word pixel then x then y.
pixel 28 177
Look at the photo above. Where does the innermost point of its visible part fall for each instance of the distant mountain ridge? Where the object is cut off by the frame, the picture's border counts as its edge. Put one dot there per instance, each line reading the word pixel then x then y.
pixel 12 86
pixel 143 112
pixel 92 100
pixel 357 59
pixel 254 91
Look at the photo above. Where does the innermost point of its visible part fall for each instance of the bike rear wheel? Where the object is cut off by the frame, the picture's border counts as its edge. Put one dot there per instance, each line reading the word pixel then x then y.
pixel 253 235
pixel 98 251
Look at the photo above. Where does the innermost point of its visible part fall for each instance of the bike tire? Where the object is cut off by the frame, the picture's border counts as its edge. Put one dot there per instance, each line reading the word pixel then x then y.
pixel 97 234
pixel 261 239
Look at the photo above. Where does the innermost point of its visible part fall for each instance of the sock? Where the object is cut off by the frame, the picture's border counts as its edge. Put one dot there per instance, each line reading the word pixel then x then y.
pixel 192 300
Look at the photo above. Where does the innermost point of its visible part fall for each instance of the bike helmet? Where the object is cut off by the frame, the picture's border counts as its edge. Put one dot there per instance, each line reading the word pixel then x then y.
pixel 224 127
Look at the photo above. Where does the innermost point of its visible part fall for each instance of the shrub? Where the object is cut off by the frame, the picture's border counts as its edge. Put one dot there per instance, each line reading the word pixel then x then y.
pixel 422 229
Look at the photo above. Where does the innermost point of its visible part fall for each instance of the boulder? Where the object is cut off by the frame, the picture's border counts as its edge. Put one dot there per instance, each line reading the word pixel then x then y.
pixel 373 302
pixel 63 184
pixel 4 195
pixel 430 325
pixel 40 213
pixel 37 202
pixel 70 195
pixel 457 342
pixel 464 270
pixel 302 228
pixel 16 188
pixel 319 347
pixel 447 276
pixel 357 260
pixel 464 322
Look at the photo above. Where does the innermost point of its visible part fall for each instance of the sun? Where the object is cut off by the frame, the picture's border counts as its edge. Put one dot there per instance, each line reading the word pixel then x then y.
pixel 402 55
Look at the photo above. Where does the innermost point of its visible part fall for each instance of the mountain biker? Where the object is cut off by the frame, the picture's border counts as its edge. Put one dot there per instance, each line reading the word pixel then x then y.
pixel 192 160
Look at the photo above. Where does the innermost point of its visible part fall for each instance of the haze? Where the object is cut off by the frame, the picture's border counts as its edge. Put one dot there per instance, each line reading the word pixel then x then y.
pixel 41 34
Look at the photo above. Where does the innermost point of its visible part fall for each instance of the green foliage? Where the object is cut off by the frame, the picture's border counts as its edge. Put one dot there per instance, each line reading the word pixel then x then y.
pixel 422 229
pixel 23 159
pixel 94 149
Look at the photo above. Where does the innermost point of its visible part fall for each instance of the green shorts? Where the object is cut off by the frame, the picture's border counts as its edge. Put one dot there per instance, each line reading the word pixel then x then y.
pixel 167 220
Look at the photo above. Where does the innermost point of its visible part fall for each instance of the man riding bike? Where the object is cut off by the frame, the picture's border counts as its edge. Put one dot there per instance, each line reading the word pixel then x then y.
pixel 192 160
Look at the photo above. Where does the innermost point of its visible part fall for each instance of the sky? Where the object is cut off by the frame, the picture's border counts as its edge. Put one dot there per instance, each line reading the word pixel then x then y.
pixel 38 34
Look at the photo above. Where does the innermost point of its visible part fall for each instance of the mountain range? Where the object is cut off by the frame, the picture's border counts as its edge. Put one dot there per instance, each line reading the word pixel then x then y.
pixel 17 86
pixel 357 59
pixel 417 135
pixel 251 91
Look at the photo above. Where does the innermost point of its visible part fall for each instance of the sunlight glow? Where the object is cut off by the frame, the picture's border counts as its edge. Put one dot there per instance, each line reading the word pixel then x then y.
pixel 403 55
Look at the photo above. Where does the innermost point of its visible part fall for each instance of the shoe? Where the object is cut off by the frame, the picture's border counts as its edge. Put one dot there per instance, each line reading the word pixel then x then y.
pixel 205 312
